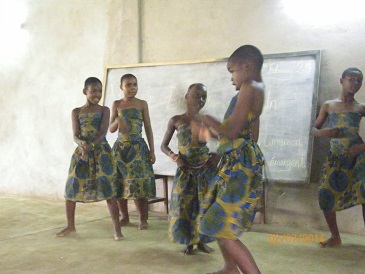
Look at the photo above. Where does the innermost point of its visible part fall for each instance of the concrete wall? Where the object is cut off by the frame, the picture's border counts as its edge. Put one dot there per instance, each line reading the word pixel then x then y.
pixel 69 41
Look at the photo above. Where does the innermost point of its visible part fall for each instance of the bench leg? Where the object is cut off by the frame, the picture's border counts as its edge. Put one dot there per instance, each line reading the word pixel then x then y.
pixel 166 193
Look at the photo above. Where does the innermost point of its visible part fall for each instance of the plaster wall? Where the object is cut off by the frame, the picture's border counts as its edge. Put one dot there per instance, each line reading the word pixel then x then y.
pixel 70 41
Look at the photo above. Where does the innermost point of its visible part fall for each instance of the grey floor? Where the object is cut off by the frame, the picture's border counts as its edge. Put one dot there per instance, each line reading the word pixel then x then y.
pixel 27 245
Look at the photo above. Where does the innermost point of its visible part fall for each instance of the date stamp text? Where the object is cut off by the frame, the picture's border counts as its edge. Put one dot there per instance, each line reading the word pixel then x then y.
pixel 295 238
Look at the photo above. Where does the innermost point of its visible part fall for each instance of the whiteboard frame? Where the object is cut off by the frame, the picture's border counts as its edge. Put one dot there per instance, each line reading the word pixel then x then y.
pixel 316 54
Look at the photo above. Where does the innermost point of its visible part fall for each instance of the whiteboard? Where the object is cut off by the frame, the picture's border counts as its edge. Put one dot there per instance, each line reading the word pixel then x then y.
pixel 291 81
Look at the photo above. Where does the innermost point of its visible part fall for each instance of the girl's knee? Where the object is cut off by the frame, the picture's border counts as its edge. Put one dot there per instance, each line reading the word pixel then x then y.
pixel 112 200
pixel 223 242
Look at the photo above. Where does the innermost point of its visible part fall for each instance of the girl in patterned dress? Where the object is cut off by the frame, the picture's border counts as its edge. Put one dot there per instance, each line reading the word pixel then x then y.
pixel 132 156
pixel 92 173
pixel 231 208
pixel 193 176
pixel 342 183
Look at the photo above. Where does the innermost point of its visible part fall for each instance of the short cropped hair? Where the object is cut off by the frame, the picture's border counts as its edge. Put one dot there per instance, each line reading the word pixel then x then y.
pixel 125 76
pixel 91 80
pixel 198 85
pixel 349 70
pixel 248 53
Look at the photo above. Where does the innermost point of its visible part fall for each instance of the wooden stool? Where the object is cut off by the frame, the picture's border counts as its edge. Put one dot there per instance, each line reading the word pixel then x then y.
pixel 165 199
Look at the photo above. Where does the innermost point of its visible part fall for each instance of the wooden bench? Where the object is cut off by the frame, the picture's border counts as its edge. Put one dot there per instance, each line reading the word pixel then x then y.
pixel 165 198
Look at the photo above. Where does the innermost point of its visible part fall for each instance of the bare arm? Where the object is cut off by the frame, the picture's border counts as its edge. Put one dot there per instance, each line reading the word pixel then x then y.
pixel 356 149
pixel 76 127
pixel 148 130
pixel 321 119
pixel 167 137
pixel 207 128
pixel 255 130
pixel 322 116
pixel 362 109
pixel 117 121
pixel 249 97
pixel 113 121
pixel 171 127
pixel 103 126
pixel 82 145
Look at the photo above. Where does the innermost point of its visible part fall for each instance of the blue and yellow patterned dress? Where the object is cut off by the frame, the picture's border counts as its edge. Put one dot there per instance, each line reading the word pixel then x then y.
pixel 231 208
pixel 130 152
pixel 189 187
pixel 343 178
pixel 95 179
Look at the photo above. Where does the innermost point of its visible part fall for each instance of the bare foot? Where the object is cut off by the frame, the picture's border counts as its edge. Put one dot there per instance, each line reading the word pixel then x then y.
pixel 331 242
pixel 118 236
pixel 124 222
pixel 203 247
pixel 226 271
pixel 187 250
pixel 67 231
pixel 143 225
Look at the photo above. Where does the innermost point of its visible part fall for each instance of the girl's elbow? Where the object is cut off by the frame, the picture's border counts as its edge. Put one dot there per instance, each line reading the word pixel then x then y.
pixel 162 147
pixel 236 132
pixel 232 135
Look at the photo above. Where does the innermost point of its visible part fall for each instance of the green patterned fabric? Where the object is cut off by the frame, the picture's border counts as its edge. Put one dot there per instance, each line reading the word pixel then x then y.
pixel 342 183
pixel 230 206
pixel 130 152
pixel 95 179
pixel 190 185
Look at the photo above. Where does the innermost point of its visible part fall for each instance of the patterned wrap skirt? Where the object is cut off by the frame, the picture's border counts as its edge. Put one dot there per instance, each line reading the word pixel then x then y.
pixel 134 172
pixel 342 183
pixel 95 179
pixel 188 191
pixel 231 203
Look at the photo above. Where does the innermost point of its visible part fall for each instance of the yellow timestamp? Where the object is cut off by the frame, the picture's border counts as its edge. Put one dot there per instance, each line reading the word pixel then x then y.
pixel 295 238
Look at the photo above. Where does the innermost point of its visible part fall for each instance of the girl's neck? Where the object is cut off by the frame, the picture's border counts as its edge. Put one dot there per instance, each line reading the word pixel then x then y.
pixel 128 100
pixel 347 98
pixel 256 76
pixel 90 104
pixel 192 113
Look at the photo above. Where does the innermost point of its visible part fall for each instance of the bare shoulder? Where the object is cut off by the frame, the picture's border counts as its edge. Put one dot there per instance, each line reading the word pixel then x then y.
pixel 105 109
pixel 258 88
pixel 331 105
pixel 332 101
pixel 362 108
pixel 362 105
pixel 179 120
pixel 76 111
pixel 140 101
pixel 117 103
pixel 141 104
pixel 255 93
pixel 253 88
pixel 258 85
pixel 176 118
